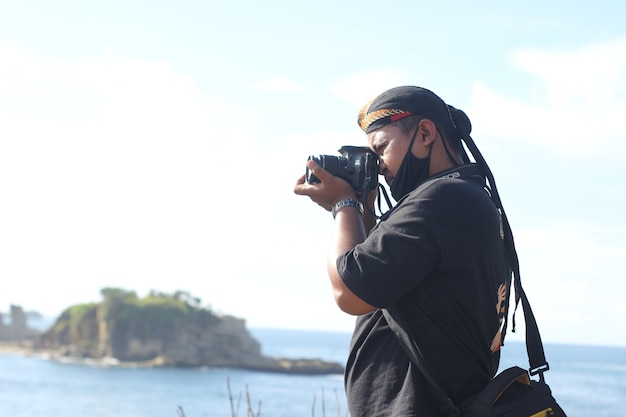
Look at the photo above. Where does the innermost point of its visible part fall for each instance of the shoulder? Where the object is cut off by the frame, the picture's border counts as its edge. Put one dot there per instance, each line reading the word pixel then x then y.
pixel 445 190
pixel 454 187
pixel 448 198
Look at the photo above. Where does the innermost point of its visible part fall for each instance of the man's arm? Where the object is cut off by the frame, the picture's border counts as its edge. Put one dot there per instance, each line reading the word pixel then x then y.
pixel 348 231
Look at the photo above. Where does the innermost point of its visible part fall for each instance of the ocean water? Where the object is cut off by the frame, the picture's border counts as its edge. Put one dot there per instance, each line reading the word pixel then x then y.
pixel 587 381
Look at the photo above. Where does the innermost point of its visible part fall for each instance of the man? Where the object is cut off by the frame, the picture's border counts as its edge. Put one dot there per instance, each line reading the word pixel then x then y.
pixel 438 258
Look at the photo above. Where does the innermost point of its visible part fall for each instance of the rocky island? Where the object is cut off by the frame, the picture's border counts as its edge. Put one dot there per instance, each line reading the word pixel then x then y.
pixel 161 330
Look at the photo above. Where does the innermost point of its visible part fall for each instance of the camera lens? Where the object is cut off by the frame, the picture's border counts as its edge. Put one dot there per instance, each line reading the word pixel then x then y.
pixel 334 165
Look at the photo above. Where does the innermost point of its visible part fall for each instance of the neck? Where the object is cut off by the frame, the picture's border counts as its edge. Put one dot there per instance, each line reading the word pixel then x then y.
pixel 442 159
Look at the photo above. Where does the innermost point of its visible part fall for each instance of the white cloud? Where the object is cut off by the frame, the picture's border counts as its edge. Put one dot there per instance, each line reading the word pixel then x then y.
pixel 122 178
pixel 592 76
pixel 578 102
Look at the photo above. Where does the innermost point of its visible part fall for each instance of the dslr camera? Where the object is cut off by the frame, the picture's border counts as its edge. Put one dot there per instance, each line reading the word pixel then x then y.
pixel 358 165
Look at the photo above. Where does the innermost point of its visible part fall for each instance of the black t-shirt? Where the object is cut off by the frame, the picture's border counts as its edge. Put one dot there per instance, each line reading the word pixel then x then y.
pixel 439 258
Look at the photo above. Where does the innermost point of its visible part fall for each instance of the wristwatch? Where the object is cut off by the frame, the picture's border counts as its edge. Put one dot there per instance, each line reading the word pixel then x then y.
pixel 348 202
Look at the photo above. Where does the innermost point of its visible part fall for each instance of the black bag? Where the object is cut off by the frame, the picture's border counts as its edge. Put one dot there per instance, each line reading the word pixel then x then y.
pixel 511 393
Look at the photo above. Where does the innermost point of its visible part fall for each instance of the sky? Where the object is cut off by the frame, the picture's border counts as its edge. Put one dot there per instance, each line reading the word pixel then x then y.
pixel 154 145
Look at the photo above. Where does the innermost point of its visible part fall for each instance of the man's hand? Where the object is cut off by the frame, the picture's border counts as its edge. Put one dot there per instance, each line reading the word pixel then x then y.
pixel 328 191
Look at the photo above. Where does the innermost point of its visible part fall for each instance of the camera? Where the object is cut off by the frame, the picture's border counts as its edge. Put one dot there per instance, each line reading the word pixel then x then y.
pixel 358 165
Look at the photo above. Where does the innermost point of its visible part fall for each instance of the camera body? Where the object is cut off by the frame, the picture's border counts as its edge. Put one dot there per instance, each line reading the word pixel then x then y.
pixel 358 165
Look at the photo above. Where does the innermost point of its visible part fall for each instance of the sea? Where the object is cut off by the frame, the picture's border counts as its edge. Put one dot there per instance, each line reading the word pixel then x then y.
pixel 586 380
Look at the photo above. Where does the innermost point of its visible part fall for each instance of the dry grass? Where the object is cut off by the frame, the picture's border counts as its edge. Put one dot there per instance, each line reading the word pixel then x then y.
pixel 234 406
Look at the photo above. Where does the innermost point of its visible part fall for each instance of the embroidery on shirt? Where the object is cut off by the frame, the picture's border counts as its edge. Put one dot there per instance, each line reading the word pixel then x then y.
pixel 496 343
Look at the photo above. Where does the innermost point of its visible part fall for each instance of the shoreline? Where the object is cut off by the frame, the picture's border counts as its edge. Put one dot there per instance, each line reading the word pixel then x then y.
pixel 53 355
pixel 279 365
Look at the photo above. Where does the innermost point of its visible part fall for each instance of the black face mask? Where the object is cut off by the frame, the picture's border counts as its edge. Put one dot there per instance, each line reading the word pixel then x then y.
pixel 412 172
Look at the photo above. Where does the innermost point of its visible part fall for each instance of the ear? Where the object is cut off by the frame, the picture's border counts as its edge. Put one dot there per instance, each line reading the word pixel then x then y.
pixel 427 131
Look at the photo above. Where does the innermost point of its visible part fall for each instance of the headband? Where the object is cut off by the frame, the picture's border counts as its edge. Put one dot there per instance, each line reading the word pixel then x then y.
pixel 400 102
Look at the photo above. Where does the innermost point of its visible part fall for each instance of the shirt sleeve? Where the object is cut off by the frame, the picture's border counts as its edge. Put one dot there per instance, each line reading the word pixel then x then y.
pixel 397 255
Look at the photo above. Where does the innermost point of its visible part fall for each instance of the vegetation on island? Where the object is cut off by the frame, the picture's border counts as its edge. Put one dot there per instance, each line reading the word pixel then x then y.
pixel 157 312
pixel 121 313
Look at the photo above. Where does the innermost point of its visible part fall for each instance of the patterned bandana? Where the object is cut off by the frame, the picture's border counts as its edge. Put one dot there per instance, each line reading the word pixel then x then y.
pixel 400 102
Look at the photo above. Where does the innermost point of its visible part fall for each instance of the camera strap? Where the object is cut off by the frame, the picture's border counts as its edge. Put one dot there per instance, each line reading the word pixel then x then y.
pixel 381 190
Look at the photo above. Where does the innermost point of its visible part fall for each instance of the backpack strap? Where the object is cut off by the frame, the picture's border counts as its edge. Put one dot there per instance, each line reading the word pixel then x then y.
pixel 534 346
pixel 445 404
pixel 534 349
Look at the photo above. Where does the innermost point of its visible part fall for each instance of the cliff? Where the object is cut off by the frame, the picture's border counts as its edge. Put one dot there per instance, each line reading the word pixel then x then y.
pixel 167 330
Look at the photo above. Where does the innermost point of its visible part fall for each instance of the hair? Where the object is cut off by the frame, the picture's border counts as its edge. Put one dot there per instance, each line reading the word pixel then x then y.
pixel 407 124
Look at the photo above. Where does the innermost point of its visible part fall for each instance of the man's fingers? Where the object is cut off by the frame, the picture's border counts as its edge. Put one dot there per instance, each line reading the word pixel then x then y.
pixel 301 180
pixel 318 171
